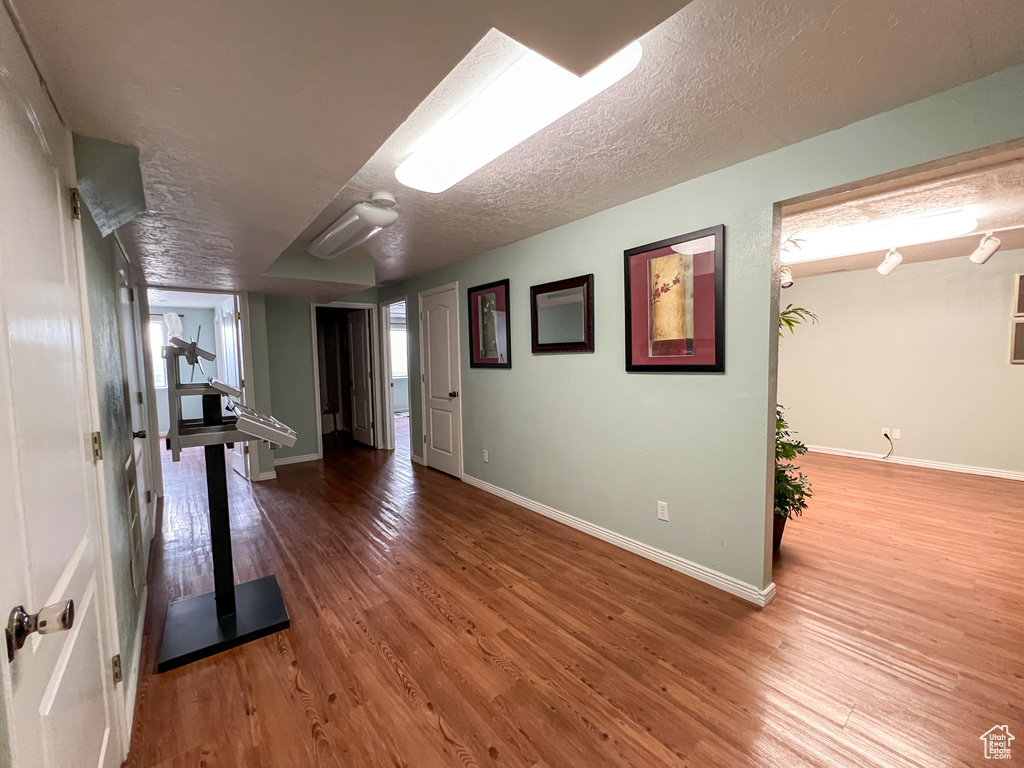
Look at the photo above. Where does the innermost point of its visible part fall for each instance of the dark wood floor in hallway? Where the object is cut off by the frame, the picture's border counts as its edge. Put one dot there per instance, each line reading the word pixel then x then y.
pixel 436 625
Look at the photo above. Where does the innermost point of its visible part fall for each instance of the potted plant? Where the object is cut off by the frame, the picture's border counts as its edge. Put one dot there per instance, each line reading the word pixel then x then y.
pixel 791 485
pixel 792 488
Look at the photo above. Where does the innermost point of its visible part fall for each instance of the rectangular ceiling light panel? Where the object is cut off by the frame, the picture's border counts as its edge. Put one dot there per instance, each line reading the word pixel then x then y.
pixel 528 96
pixel 872 236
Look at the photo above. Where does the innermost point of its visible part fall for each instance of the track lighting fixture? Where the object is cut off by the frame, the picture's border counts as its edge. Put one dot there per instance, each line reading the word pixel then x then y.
pixel 786 277
pixel 988 246
pixel 892 260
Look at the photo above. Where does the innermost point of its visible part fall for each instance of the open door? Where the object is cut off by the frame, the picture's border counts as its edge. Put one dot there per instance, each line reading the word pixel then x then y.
pixel 136 463
pixel 362 376
pixel 57 689
pixel 227 330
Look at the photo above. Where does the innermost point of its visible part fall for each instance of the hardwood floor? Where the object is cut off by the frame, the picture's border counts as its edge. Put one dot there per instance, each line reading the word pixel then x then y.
pixel 436 625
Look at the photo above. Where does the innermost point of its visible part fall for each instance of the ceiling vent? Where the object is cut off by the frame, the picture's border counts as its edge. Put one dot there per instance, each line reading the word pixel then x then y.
pixel 357 225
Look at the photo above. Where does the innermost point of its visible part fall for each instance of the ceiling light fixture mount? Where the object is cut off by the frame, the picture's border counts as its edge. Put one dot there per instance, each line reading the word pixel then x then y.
pixel 986 248
pixel 786 277
pixel 528 96
pixel 355 226
pixel 892 260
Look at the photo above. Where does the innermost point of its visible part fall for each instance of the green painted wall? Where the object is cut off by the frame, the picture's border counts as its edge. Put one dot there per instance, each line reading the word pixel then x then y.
pixel 104 314
pixel 926 349
pixel 261 370
pixel 576 432
pixel 292 386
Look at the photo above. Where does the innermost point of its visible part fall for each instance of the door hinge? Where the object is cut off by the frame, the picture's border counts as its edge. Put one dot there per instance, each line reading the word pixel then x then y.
pixel 245 450
pixel 149 497
pixel 97 446
pixel 138 396
pixel 131 293
pixel 238 317
pixel 115 664
pixel 424 439
pixel 76 204
pixel 423 377
pixel 241 383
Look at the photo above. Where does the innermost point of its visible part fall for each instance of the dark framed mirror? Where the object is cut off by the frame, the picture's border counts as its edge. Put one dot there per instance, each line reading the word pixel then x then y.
pixel 562 315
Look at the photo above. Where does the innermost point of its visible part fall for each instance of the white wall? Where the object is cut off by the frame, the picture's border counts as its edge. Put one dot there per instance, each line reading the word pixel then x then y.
pixel 925 349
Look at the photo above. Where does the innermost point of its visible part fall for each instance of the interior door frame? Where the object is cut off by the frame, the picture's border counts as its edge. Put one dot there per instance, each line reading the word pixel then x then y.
pixel 423 377
pixel 375 367
pixel 387 373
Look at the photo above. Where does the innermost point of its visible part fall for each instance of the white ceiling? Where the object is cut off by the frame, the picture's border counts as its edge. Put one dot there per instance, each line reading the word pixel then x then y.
pixel 995 196
pixel 251 117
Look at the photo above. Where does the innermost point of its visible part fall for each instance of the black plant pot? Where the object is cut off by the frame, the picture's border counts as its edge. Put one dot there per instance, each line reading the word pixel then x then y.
pixel 780 526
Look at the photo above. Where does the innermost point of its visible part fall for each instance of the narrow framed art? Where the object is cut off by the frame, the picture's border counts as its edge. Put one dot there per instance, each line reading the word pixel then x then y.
pixel 490 326
pixel 675 304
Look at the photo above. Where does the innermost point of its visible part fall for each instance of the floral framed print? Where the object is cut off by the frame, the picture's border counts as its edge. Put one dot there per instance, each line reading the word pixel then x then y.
pixel 675 304
pixel 490 326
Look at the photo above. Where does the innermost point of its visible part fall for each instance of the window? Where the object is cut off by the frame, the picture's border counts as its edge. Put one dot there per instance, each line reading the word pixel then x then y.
pixel 399 354
pixel 156 345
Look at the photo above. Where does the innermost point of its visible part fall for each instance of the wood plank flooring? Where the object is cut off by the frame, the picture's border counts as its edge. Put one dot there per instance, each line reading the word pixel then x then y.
pixel 436 625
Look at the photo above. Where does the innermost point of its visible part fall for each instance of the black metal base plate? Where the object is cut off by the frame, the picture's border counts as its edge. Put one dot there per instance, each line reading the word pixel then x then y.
pixel 192 630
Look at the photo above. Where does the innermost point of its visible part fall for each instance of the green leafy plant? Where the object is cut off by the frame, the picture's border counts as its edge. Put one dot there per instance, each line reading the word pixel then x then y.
pixel 792 488
pixel 791 317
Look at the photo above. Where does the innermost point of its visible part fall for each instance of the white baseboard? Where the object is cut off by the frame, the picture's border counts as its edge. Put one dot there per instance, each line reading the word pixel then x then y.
pixel 749 592
pixel 132 683
pixel 1005 474
pixel 418 459
pixel 271 475
pixel 296 459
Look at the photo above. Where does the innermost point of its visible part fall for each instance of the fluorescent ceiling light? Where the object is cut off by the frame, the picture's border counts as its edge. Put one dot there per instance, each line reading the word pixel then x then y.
pixel 528 96
pixel 873 236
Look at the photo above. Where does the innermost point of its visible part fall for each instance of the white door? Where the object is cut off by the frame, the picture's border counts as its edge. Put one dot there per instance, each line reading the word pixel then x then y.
pixel 58 691
pixel 136 463
pixel 442 411
pixel 227 329
pixel 361 373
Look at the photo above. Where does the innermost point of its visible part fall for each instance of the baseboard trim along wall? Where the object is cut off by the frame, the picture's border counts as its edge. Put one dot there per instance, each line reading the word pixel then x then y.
pixel 295 459
pixel 726 583
pixel 132 684
pixel 1005 474
pixel 271 475
pixel 418 459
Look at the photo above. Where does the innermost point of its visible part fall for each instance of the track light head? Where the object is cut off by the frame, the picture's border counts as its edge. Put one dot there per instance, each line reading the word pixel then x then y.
pixel 892 260
pixel 786 277
pixel 988 246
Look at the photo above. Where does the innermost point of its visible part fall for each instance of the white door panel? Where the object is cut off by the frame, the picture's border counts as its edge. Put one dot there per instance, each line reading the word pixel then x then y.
pixel 361 373
pixel 58 691
pixel 439 339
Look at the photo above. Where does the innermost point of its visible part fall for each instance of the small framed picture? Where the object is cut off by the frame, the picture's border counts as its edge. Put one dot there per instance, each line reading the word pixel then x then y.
pixel 490 326
pixel 1017 343
pixel 1018 297
pixel 675 304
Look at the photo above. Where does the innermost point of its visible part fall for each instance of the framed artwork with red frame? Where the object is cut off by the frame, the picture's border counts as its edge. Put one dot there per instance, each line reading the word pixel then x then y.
pixel 675 304
pixel 490 326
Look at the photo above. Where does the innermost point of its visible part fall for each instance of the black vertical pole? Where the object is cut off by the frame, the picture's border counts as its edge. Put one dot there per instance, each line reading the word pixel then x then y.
pixel 220 523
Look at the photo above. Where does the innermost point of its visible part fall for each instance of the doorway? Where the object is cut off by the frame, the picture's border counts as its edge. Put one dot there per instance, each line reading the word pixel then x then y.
pixel 216 322
pixel 396 358
pixel 346 401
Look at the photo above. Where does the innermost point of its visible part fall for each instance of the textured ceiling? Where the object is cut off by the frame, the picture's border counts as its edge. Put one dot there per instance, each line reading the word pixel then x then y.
pixel 995 197
pixel 719 82
pixel 183 299
pixel 251 117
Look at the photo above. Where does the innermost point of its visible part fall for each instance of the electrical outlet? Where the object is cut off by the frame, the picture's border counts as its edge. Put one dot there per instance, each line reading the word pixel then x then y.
pixel 896 433
pixel 886 432
pixel 663 511
pixel 485 457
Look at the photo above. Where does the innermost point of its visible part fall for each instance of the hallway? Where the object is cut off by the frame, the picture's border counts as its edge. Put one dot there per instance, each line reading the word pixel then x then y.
pixel 436 625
